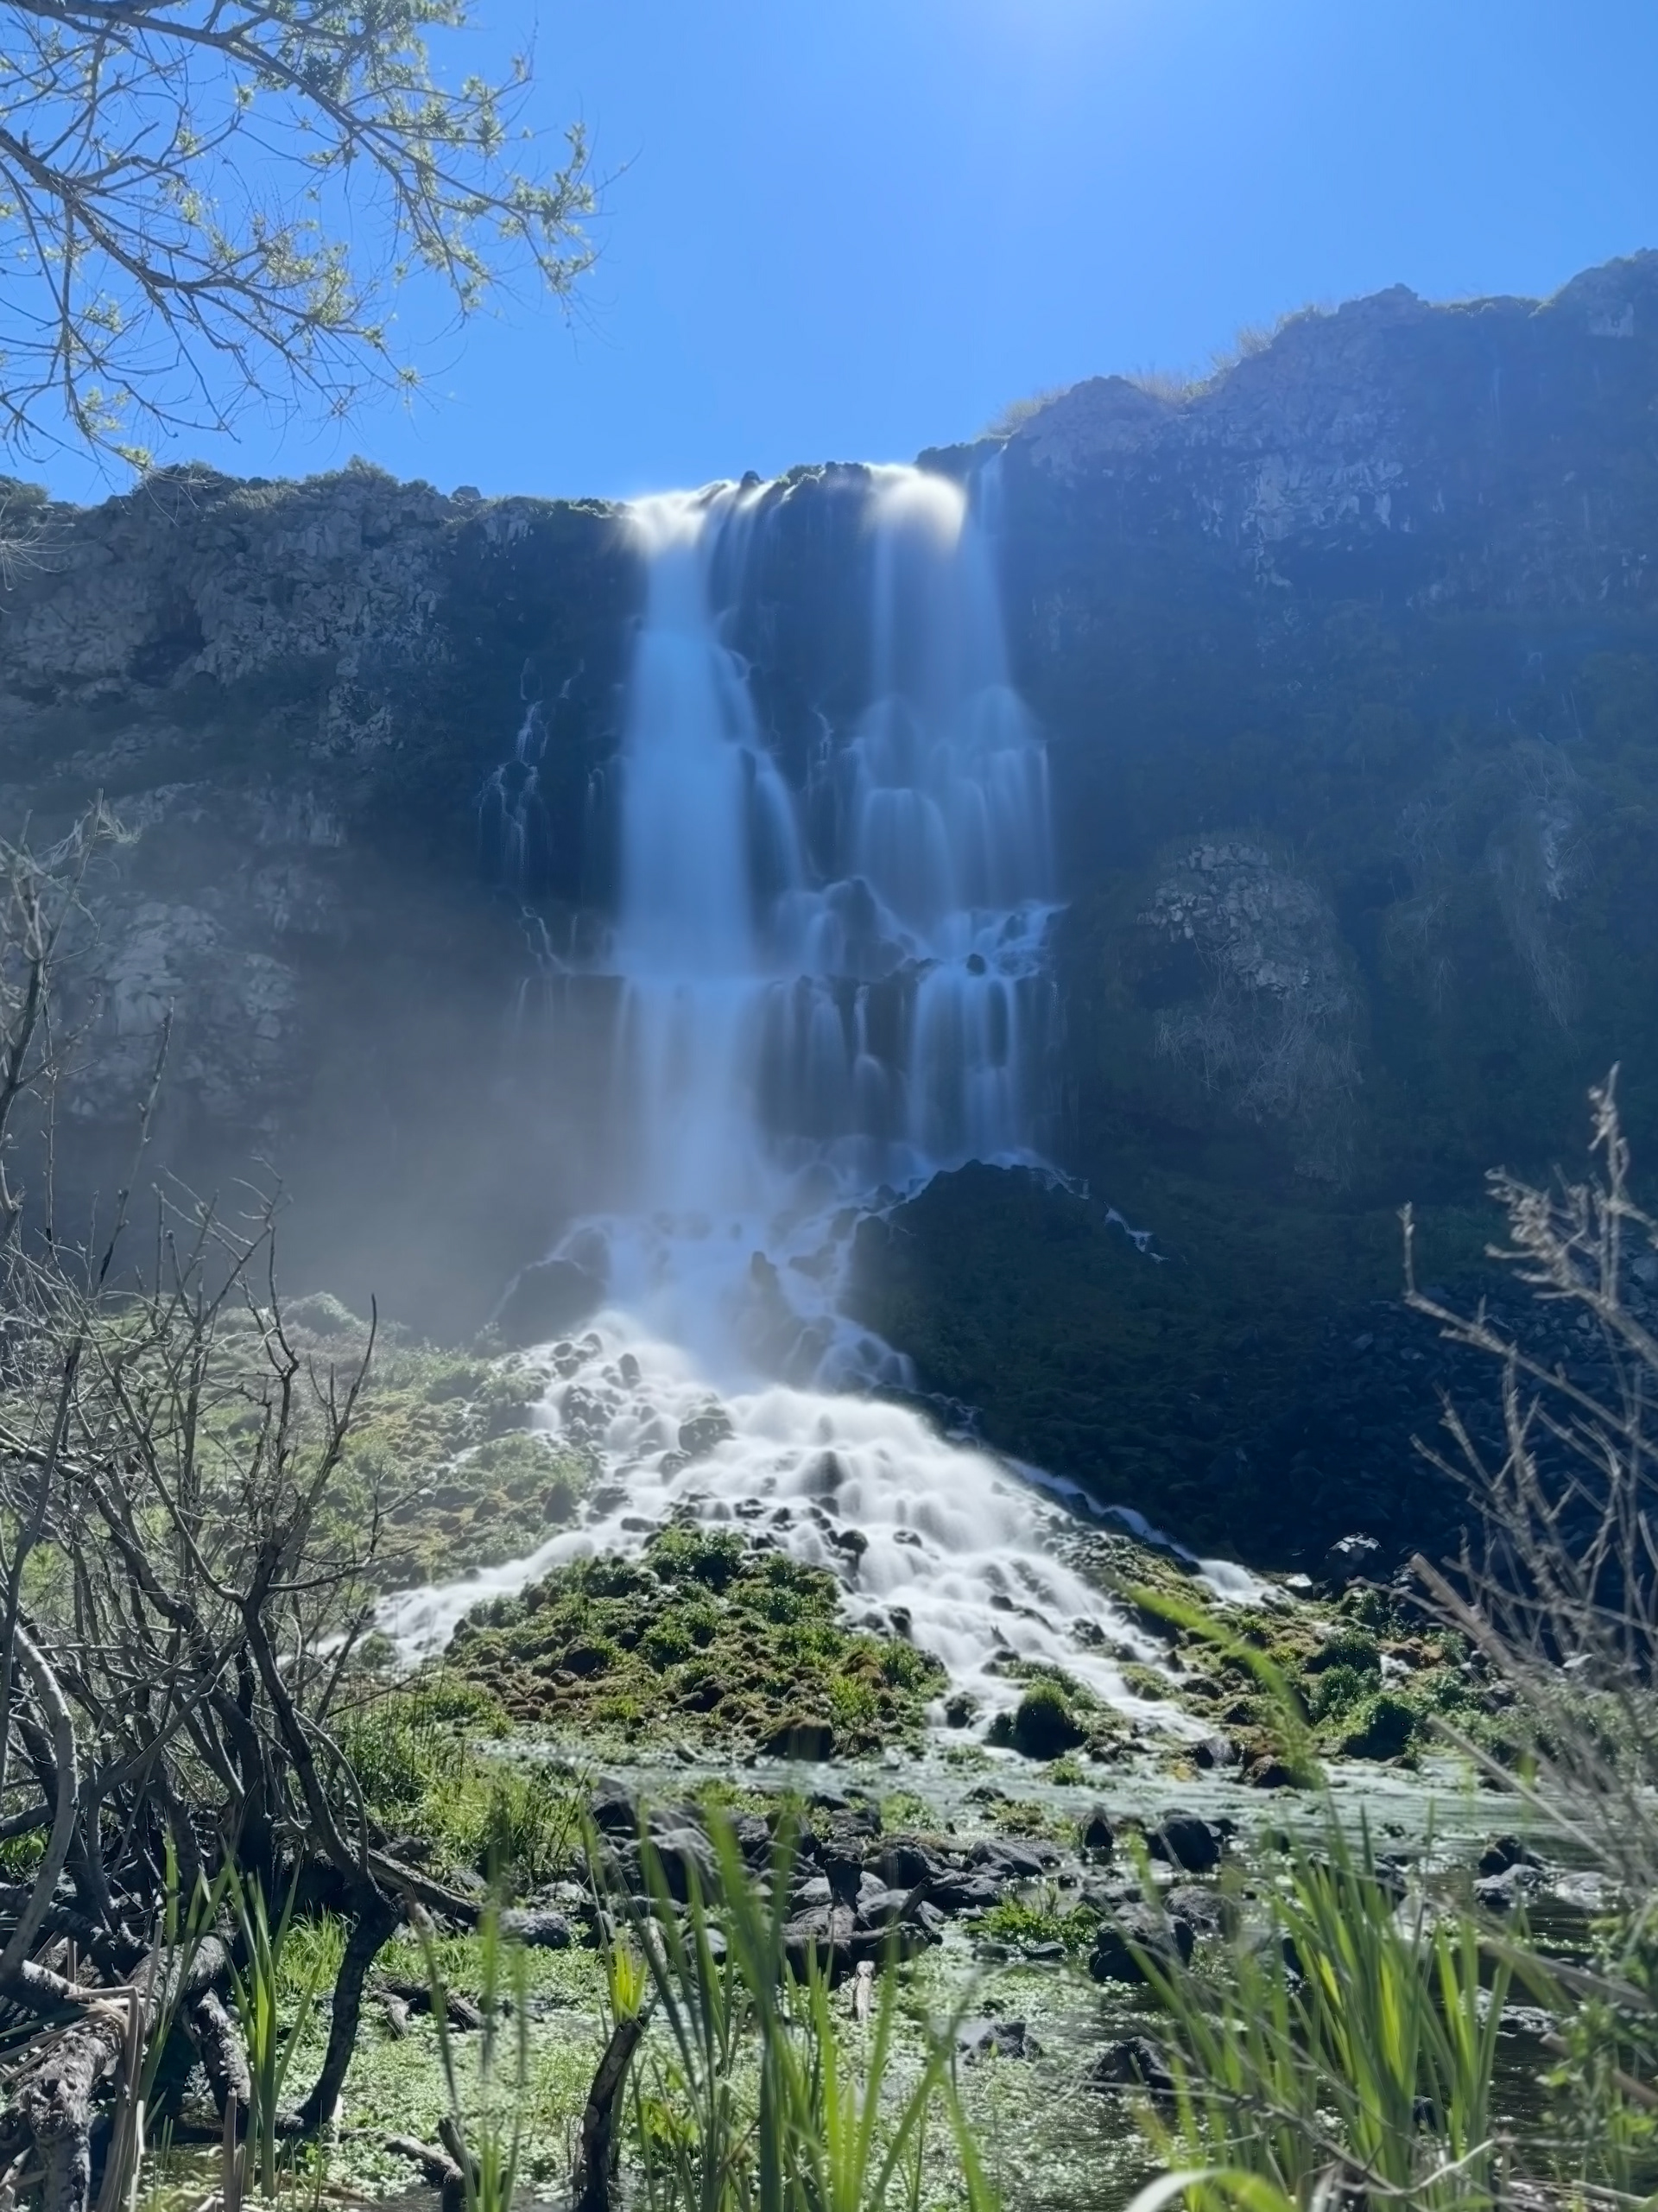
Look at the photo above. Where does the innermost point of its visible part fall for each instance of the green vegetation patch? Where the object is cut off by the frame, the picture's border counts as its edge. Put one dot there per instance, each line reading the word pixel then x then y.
pixel 436 1782
pixel 1058 1716
pixel 710 1633
pixel 440 1447
pixel 1363 1676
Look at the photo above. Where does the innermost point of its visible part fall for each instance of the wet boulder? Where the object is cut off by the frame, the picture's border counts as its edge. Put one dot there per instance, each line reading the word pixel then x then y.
pixel 907 1863
pixel 966 1890
pixel 752 1837
pixel 703 1431
pixel 1095 1832
pixel 1014 1859
pixel 613 1808
pixel 538 1931
pixel 1043 1725
pixel 1504 1852
pixel 1187 1841
pixel 685 1856
pixel 989 2039
pixel 1350 1559
pixel 807 1740
pixel 1139 1934
pixel 1205 1912
pixel 1133 2063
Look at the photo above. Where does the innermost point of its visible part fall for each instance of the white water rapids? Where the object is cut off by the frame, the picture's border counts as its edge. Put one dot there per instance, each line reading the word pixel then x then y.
pixel 823 996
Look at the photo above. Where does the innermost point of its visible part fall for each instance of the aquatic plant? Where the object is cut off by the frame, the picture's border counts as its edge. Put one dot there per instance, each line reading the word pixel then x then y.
pixel 484 2129
pixel 259 1984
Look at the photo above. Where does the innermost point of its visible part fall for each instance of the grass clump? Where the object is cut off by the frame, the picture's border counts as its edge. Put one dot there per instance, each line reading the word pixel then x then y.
pixel 707 1632
pixel 748 2091
pixel 423 1760
pixel 1340 2034
pixel 1043 1724
pixel 1025 1926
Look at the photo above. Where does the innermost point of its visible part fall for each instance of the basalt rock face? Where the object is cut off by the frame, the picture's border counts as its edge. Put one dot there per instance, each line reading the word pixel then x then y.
pixel 1348 664
pixel 289 695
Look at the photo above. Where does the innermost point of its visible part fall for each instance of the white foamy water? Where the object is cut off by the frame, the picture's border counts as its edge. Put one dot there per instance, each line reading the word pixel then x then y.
pixel 795 1039
pixel 954 1544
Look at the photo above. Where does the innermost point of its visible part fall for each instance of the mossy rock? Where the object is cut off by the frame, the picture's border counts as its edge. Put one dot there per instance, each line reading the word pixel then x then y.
pixel 708 1633
pixel 1044 1725
pixel 1381 1727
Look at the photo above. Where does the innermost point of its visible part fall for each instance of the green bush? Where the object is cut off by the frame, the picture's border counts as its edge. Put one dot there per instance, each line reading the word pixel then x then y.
pixel 1380 1728
pixel 1043 1723
pixel 1349 1647
pixel 1336 1691
pixel 529 1828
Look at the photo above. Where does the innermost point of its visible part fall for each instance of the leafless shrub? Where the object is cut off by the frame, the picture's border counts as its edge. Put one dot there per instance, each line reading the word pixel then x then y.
pixel 1559 1593
pixel 181 1598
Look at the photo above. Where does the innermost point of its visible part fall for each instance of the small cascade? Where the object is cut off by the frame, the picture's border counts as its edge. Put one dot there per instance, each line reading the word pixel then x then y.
pixel 931 1539
pixel 819 993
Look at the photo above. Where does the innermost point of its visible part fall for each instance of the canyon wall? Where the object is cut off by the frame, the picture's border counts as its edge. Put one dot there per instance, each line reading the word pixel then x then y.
pixel 1348 664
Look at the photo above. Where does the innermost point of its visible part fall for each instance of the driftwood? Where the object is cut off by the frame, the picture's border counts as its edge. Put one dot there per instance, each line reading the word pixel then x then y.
pixel 55 2090
pixel 218 2045
pixel 416 1997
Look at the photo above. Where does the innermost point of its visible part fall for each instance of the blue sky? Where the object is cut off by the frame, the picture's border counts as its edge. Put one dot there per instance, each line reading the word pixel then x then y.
pixel 852 228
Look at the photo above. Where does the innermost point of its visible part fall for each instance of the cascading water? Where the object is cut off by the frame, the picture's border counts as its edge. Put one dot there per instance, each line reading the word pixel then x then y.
pixel 790 1038
pixel 823 994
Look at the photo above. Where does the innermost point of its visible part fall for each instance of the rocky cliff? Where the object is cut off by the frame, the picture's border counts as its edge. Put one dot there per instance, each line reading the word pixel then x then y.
pixel 1348 660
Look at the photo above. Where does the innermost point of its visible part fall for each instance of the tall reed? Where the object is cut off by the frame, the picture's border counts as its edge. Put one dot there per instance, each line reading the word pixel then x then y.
pixel 484 2128
pixel 1344 2044
pixel 259 1986
pixel 768 2099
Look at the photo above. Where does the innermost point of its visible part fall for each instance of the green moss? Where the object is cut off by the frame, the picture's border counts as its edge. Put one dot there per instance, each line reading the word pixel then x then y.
pixel 709 1634
pixel 1043 1723
pixel 438 1444
pixel 1383 1726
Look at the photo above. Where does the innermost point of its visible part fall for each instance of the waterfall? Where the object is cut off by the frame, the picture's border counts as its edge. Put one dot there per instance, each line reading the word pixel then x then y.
pixel 795 1035
pixel 823 992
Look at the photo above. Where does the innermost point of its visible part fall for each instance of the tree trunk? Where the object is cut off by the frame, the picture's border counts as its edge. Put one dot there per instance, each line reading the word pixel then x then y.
pixel 592 2185
pixel 377 1920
